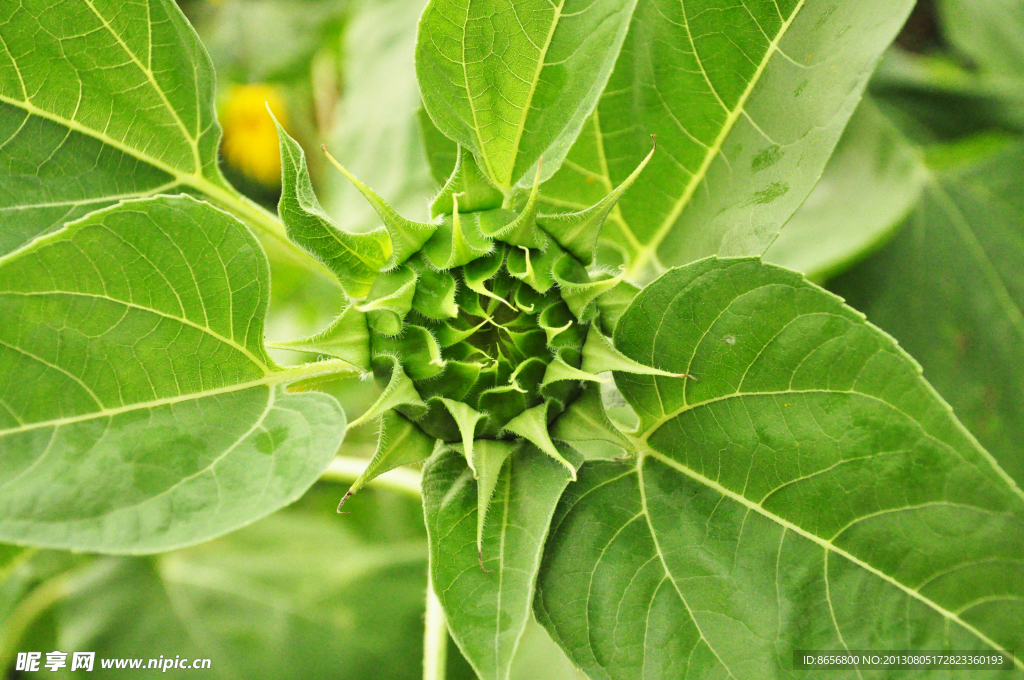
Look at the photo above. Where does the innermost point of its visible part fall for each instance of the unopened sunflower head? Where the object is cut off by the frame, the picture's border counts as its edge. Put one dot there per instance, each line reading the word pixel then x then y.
pixel 484 326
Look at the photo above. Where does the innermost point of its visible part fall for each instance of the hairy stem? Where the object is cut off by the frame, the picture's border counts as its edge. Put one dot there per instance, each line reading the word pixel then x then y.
pixel 346 469
pixel 435 639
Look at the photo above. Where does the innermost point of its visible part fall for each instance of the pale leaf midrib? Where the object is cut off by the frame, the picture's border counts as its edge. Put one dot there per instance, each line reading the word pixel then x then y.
pixel 472 103
pixel 193 143
pixel 67 231
pixel 616 213
pixel 234 203
pixel 822 542
pixel 541 62
pixel 501 567
pixel 112 198
pixel 1010 482
pixel 648 251
pixel 195 179
pixel 284 376
pixel 180 319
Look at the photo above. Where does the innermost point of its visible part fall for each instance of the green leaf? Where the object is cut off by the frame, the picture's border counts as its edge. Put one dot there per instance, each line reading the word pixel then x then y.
pixel 442 153
pixel 488 460
pixel 466 418
pixel 950 288
pixel 511 111
pixel 747 103
pixel 466 182
pixel 99 102
pixel 613 303
pixel 139 408
pixel 399 391
pixel 407 237
pixel 418 349
pixel 989 32
pixel 585 422
pixel 355 259
pixel 532 425
pixel 400 442
pixel 435 293
pixel 811 491
pixel 600 355
pixel 933 98
pixel 488 610
pixel 579 290
pixel 577 232
pixel 870 185
pixel 457 241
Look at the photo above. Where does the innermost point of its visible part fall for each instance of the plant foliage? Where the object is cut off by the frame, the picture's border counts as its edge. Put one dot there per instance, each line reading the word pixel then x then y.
pixel 681 460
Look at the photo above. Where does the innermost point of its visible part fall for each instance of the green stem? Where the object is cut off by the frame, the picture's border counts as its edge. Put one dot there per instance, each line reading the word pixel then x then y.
pixel 346 469
pixel 435 639
pixel 314 370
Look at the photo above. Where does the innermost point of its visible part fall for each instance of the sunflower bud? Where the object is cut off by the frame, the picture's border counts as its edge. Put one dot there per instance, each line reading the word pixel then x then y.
pixel 483 326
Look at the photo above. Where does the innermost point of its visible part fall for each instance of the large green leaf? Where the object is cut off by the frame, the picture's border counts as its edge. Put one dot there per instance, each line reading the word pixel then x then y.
pixel 747 101
pixel 870 185
pixel 810 491
pixel 487 597
pixel 513 80
pixel 950 288
pixel 138 408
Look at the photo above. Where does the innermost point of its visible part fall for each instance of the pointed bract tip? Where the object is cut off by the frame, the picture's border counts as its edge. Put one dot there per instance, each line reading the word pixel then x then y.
pixel 344 498
pixel 480 559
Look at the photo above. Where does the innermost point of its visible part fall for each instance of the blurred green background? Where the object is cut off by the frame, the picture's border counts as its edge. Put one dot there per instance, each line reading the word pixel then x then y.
pixel 917 221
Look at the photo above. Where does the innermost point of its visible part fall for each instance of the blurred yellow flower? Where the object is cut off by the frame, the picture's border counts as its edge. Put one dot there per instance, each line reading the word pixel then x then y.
pixel 250 138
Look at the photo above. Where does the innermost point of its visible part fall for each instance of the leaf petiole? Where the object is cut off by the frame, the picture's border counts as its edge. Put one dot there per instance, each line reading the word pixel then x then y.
pixel 263 222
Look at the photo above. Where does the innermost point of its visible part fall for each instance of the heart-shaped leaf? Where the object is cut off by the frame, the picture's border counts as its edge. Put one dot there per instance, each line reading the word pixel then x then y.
pixel 138 408
pixel 811 491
